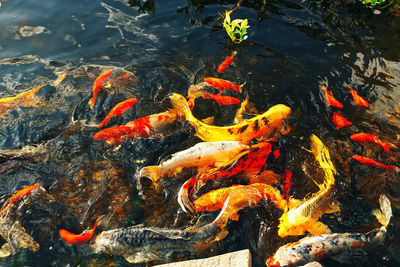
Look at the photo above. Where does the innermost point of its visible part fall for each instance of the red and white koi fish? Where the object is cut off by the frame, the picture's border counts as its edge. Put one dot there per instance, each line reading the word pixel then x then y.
pixel 329 97
pixel 78 239
pixel 221 84
pixel 374 163
pixel 340 121
pixel 223 99
pixel 226 62
pixel 118 110
pixel 341 247
pixel 369 138
pixel 358 99
pixel 98 85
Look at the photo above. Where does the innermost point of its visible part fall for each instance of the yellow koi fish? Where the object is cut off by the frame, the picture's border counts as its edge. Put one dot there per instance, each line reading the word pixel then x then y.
pixel 303 215
pixel 25 99
pixel 264 125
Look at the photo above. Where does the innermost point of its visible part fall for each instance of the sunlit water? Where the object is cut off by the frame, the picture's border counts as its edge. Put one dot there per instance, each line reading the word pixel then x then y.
pixel 287 55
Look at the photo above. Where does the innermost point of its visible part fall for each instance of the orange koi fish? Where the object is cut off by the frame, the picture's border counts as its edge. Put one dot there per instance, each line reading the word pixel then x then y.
pixel 329 97
pixel 358 99
pixel 221 84
pixel 369 138
pixel 371 162
pixel 215 199
pixel 226 62
pixel 23 192
pixel 98 85
pixel 77 239
pixel 118 110
pixel 113 135
pixel 223 99
pixel 340 121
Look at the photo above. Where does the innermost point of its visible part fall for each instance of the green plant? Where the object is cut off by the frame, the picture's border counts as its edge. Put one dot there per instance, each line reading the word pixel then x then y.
pixel 372 2
pixel 236 29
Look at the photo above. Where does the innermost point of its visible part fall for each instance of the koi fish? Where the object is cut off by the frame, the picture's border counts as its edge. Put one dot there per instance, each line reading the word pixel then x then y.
pixel 249 165
pixel 23 192
pixel 358 99
pixel 215 199
pixel 149 244
pixel 340 121
pixel 77 239
pixel 25 99
pixel 369 138
pixel 371 162
pixel 226 62
pixel 152 125
pixel 329 97
pixel 118 110
pixel 341 247
pixel 223 99
pixel 264 125
pixel 245 108
pixel 221 84
pixel 287 184
pixel 303 215
pixel 196 91
pixel 201 155
pixel 98 85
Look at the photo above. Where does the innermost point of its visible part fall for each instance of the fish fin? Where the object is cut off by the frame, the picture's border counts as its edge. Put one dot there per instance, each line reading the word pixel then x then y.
pixel 150 172
pixel 385 213
pixel 318 228
pixel 388 146
pixel 91 103
pixel 102 220
pixel 5 250
pixel 292 203
pixel 241 87
pixel 334 207
pixel 209 120
pixel 184 200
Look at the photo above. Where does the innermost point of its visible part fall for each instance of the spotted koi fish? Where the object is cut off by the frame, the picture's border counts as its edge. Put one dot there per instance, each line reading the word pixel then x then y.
pixel 340 121
pixel 329 97
pixel 358 99
pixel 201 155
pixel 303 215
pixel 221 84
pixel 265 125
pixel 118 110
pixel 98 85
pixel 341 247
pixel 226 63
pixel 369 138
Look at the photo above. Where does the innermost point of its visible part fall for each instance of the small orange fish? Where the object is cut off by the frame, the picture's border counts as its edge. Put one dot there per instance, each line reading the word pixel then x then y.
pixel 358 99
pixel 371 162
pixel 226 62
pixel 329 97
pixel 118 110
pixel 23 192
pixel 77 239
pixel 98 85
pixel 113 135
pixel 221 84
pixel 369 138
pixel 223 99
pixel 340 121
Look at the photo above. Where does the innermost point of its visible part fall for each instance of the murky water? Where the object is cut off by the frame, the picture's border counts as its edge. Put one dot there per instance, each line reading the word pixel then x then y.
pixel 292 47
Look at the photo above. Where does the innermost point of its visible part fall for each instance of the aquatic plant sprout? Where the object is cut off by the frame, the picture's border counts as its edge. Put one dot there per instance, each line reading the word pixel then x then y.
pixel 236 29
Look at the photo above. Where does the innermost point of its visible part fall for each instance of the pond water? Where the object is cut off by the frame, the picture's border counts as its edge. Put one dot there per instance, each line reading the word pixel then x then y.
pixel 292 48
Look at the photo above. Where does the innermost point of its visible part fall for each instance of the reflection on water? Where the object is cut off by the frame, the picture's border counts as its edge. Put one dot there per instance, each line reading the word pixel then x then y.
pixel 165 46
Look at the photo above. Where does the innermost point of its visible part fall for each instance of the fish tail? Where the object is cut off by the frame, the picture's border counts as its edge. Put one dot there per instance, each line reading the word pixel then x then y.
pixel 385 212
pixel 388 146
pixel 91 102
pixel 101 124
pixel 150 172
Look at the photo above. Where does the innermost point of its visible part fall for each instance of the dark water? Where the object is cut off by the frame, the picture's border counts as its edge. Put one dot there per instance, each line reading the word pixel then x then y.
pixel 292 47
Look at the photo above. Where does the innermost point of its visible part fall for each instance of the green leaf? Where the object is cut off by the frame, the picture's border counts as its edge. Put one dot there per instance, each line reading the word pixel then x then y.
pixel 243 25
